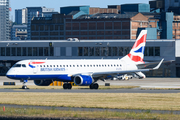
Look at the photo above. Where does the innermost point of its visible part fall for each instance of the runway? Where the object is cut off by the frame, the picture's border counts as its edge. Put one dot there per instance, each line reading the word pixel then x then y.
pixel 142 83
pixel 137 90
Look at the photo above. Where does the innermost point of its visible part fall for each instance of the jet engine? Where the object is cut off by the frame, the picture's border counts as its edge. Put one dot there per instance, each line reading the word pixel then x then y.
pixel 42 82
pixel 83 80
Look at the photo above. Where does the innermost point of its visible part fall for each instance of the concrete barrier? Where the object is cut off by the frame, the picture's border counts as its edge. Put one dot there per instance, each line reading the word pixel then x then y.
pixel 9 83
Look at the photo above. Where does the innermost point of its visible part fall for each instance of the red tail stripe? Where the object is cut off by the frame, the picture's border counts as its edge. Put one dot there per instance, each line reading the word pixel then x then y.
pixel 135 58
pixel 141 40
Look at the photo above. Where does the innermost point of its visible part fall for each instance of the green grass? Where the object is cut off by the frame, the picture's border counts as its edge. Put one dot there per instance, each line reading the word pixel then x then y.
pixel 31 112
pixel 140 101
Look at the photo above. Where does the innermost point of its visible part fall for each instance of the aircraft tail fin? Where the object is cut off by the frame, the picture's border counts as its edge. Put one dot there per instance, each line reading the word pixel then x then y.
pixel 137 52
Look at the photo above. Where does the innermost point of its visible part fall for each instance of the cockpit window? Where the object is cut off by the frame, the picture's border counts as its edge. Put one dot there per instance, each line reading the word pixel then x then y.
pixel 17 65
pixel 23 65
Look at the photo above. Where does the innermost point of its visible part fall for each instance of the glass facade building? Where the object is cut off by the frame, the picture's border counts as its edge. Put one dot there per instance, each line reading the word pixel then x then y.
pixel 4 20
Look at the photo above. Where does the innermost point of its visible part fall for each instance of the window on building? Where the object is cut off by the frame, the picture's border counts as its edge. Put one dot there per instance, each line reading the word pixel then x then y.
pixel 41 51
pixel 18 51
pixel 86 51
pixel 46 51
pixel 103 51
pixel 80 51
pixel 157 51
pixel 121 51
pixel 29 51
pixel 97 51
pixel 24 51
pixel 8 52
pixel 63 51
pixel 13 51
pixel 35 51
pixel 91 51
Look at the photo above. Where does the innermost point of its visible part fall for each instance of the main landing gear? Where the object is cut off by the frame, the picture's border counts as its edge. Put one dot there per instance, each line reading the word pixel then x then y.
pixel 94 86
pixel 24 84
pixel 67 86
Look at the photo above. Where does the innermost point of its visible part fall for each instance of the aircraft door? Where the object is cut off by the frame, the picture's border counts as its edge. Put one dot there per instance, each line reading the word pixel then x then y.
pixel 34 67
pixel 123 64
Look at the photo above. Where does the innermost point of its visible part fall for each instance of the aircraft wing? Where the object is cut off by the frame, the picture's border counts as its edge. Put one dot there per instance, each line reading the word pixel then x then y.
pixel 146 64
pixel 98 74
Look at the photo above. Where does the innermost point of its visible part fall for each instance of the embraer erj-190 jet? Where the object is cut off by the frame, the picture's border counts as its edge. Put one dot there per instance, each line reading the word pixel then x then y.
pixel 81 72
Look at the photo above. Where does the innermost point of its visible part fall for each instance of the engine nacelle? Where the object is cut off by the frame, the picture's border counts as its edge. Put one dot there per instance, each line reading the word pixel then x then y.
pixel 42 82
pixel 83 80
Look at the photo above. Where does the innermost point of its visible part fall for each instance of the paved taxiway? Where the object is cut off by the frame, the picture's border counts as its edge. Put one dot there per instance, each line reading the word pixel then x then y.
pixel 142 83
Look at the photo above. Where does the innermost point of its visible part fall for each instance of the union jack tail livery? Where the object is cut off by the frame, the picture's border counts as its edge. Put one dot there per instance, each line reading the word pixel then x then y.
pixel 137 52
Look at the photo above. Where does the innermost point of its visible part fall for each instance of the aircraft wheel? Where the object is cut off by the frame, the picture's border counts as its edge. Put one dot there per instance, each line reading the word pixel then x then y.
pixel 95 86
pixel 65 86
pixel 91 86
pixel 24 87
pixel 69 86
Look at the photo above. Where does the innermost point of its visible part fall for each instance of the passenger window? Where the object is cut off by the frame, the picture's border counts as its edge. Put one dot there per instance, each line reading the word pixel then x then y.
pixel 94 65
pixel 23 65
pixel 57 66
pixel 44 66
pixel 87 65
pixel 77 65
pixel 60 65
pixel 84 65
pixel 117 65
pixel 91 65
pixel 54 66
pixel 102 65
pixel 70 65
pixel 63 65
pixel 73 65
pixel 67 65
pixel 50 65
pixel 99 65
pixel 40 65
pixel 80 65
pixel 114 65
pixel 47 65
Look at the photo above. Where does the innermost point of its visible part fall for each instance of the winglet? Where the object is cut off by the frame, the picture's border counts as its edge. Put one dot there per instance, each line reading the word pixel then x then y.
pixel 157 67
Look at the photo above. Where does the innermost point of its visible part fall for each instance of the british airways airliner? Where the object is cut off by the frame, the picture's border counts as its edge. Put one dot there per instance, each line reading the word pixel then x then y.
pixel 81 72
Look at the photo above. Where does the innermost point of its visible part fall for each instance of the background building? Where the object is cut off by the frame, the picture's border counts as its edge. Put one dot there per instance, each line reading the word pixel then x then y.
pixel 19 32
pixel 4 20
pixel 35 12
pixel 18 16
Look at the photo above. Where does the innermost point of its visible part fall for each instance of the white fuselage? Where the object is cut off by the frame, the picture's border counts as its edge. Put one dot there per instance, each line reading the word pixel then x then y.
pixel 53 69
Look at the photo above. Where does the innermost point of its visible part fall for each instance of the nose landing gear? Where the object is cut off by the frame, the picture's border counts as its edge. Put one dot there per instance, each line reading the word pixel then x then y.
pixel 24 84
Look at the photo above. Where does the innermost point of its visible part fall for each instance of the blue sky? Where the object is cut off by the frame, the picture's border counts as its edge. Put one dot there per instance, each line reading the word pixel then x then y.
pixel 56 4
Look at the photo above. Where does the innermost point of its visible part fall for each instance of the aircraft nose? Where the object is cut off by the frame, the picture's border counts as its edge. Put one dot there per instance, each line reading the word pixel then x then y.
pixel 9 75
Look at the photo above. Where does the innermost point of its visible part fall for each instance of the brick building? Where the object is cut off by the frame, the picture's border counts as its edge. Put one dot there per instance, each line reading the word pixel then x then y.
pixel 89 27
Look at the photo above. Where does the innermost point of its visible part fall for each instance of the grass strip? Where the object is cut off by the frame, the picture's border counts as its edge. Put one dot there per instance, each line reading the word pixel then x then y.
pixel 31 112
pixel 74 87
pixel 140 101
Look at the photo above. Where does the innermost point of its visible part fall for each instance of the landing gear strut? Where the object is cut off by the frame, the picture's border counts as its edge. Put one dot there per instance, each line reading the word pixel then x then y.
pixel 94 86
pixel 24 84
pixel 67 86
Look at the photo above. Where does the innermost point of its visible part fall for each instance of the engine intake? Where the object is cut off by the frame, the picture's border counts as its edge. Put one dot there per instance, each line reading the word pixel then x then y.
pixel 83 80
pixel 42 82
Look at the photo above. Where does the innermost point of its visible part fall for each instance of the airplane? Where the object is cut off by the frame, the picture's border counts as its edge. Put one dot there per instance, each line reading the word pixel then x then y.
pixel 81 72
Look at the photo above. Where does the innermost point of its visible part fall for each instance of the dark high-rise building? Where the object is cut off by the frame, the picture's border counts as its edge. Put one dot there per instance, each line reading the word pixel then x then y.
pixel 4 20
